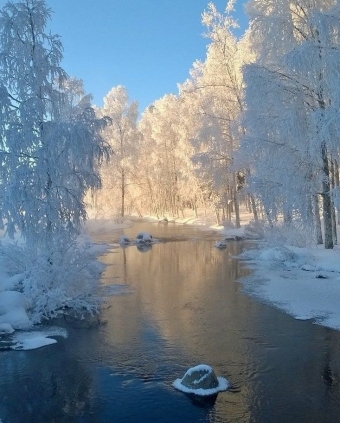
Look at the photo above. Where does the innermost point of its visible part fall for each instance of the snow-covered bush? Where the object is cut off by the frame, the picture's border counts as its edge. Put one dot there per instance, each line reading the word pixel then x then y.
pixel 294 234
pixel 228 225
pixel 58 282
pixel 254 230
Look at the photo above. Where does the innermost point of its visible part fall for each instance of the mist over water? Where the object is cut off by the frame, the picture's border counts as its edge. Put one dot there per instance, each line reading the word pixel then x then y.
pixel 180 305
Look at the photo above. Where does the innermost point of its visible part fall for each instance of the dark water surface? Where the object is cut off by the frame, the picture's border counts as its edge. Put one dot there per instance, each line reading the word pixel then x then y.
pixel 185 307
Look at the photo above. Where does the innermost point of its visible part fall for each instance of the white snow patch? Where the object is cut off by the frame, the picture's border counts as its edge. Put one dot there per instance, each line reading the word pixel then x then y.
pixel 6 328
pixel 308 268
pixel 223 385
pixel 37 339
pixel 33 343
pixel 289 279
pixel 13 306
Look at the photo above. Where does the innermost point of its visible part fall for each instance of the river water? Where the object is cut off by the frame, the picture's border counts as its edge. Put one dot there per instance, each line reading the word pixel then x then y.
pixel 180 305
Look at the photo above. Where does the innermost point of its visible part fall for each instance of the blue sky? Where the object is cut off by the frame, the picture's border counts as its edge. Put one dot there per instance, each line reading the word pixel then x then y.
pixel 146 45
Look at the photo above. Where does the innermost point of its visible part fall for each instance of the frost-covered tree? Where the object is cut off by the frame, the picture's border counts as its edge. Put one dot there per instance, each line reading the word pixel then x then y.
pixel 216 90
pixel 161 159
pixel 292 132
pixel 123 137
pixel 50 150
pixel 50 147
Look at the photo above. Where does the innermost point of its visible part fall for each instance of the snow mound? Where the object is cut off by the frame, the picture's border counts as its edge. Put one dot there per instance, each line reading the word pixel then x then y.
pixel 6 328
pixel 36 339
pixel 13 306
pixel 277 254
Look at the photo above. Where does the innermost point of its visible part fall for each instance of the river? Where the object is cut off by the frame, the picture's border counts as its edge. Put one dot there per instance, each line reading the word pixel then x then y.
pixel 180 304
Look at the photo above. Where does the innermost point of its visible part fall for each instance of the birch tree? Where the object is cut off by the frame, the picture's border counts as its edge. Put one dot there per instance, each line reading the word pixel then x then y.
pixel 123 137
pixel 50 151
pixel 216 86
pixel 49 156
pixel 297 78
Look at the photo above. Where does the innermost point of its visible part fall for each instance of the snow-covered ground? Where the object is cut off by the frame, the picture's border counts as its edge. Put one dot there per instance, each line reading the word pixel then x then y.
pixel 303 282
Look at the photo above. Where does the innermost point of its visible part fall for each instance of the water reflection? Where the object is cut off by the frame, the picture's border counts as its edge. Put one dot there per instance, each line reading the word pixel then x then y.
pixel 46 385
pixel 186 291
pixel 185 307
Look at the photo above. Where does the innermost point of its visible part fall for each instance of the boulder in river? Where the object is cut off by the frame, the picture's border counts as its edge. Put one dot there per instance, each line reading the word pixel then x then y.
pixel 143 238
pixel 201 380
pixel 124 240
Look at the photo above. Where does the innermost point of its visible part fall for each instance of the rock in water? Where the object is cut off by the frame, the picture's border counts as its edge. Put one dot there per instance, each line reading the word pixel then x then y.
pixel 124 240
pixel 143 237
pixel 200 377
pixel 201 380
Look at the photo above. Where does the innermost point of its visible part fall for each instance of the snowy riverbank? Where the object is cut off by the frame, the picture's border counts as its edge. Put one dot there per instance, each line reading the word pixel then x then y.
pixel 33 289
pixel 303 282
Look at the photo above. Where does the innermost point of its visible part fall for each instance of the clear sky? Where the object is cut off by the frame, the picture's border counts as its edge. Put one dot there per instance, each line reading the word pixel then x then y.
pixel 146 45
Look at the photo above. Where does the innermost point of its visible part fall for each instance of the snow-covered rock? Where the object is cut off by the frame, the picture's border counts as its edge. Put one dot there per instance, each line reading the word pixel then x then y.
pixel 201 380
pixel 124 240
pixel 6 328
pixel 221 244
pixel 143 237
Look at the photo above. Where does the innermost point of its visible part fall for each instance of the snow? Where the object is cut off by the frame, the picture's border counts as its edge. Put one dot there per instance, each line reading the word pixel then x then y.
pixel 303 282
pixel 19 302
pixel 143 237
pixel 124 240
pixel 37 339
pixel 34 343
pixel 13 306
pixel 223 384
pixel 6 328
pixel 199 368
pixel 143 241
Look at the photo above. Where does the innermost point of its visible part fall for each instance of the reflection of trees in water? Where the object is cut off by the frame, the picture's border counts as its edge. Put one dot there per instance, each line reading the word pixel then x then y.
pixel 185 290
pixel 331 366
pixel 46 386
pixel 184 285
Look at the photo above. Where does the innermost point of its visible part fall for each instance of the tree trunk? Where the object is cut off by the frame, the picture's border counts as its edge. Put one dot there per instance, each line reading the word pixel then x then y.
pixel 332 180
pixel 319 239
pixel 254 209
pixel 236 204
pixel 326 200
pixel 122 212
pixel 336 183
pixel 217 216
